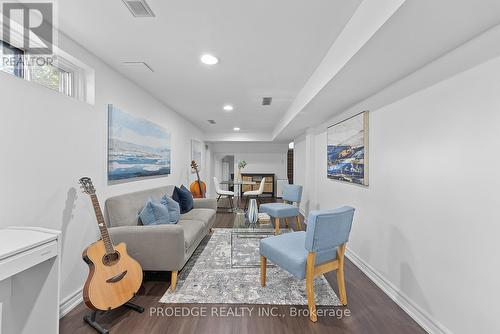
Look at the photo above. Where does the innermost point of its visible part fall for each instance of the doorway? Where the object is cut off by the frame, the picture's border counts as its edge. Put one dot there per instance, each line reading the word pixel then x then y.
pixel 227 172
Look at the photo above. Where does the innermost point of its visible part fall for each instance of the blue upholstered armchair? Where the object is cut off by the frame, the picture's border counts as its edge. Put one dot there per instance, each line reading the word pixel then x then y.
pixel 308 254
pixel 292 194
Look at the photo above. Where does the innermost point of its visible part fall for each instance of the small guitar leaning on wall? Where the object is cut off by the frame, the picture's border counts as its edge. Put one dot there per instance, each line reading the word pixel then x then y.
pixel 114 277
pixel 198 188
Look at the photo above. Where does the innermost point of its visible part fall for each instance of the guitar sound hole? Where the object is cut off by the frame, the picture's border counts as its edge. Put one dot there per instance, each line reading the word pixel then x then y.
pixel 111 259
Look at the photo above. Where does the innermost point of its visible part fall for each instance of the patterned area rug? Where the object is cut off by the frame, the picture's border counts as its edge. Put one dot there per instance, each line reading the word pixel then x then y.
pixel 208 278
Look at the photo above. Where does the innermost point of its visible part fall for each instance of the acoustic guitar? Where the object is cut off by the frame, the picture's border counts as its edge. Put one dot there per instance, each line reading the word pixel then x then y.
pixel 114 277
pixel 198 188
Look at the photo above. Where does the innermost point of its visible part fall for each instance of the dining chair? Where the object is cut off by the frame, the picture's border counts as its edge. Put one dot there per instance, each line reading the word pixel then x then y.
pixel 314 252
pixel 254 193
pixel 292 194
pixel 223 193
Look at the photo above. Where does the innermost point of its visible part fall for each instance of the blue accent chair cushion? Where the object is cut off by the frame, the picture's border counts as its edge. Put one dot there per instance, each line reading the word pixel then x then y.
pixel 287 251
pixel 174 209
pixel 154 213
pixel 184 197
pixel 279 210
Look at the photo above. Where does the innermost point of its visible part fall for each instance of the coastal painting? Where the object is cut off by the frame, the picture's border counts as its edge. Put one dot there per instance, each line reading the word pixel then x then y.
pixel 136 147
pixel 347 150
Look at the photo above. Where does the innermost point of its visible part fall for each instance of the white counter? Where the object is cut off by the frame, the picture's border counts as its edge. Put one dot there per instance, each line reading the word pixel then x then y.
pixel 29 280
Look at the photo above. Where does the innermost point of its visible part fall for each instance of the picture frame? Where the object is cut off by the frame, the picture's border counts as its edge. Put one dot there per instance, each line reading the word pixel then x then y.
pixel 195 152
pixel 348 150
pixel 137 147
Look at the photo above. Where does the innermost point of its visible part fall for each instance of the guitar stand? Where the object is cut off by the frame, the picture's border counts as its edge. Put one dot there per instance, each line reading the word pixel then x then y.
pixel 90 319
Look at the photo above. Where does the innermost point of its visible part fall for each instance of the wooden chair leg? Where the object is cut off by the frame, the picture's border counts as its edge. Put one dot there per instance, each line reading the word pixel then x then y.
pixel 286 223
pixel 299 224
pixel 276 226
pixel 340 276
pixel 173 281
pixel 311 258
pixel 218 198
pixel 263 267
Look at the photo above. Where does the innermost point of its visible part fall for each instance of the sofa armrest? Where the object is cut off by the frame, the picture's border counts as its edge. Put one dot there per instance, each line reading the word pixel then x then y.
pixel 156 247
pixel 205 203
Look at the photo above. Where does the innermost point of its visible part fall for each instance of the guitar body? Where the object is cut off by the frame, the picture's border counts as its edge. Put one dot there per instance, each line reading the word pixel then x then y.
pixel 113 280
pixel 196 190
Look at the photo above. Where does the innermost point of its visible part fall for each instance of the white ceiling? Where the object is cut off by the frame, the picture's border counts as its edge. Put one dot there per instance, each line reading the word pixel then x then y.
pixel 419 32
pixel 272 48
pixel 265 48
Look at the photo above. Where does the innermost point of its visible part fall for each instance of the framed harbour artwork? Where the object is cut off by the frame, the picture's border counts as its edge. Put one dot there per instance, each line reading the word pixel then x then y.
pixel 195 152
pixel 136 147
pixel 347 150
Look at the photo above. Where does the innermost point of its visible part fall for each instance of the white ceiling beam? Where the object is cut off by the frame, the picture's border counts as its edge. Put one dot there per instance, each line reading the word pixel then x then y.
pixel 365 22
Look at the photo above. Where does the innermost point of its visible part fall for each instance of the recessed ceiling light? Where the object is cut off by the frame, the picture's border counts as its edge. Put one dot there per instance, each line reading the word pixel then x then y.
pixel 208 59
pixel 228 107
pixel 236 129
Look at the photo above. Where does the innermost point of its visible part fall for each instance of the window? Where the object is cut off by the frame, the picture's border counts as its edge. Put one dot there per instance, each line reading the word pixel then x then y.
pixel 12 59
pixel 56 73
pixel 50 76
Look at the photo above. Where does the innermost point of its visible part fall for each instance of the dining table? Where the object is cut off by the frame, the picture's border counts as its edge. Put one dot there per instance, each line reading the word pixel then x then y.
pixel 237 189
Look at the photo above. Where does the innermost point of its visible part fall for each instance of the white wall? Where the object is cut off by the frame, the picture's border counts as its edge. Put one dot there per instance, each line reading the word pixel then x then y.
pixel 50 140
pixel 428 224
pixel 260 157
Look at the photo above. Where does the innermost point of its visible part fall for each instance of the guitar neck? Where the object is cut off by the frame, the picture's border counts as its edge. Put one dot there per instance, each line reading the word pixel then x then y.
pixel 199 183
pixel 102 225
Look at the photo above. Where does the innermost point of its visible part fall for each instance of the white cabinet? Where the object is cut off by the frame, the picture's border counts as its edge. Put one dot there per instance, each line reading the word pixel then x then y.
pixel 29 280
pixel 280 183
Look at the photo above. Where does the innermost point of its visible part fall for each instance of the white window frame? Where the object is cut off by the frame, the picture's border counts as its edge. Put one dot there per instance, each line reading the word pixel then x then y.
pixel 81 83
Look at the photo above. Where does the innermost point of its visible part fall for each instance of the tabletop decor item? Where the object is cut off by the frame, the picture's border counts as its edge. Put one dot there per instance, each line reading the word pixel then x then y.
pixel 253 212
pixel 241 165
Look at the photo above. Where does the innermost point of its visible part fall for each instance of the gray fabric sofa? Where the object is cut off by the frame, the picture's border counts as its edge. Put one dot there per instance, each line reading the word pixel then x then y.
pixel 159 247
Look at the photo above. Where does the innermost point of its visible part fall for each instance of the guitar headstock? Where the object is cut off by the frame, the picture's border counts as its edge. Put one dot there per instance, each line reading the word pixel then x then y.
pixel 87 186
pixel 194 165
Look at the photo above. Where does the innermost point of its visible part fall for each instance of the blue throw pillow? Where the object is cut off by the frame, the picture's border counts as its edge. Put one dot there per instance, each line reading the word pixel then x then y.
pixel 174 210
pixel 154 213
pixel 184 197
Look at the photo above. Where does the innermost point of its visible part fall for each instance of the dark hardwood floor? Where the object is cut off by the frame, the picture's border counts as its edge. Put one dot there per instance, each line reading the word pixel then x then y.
pixel 369 311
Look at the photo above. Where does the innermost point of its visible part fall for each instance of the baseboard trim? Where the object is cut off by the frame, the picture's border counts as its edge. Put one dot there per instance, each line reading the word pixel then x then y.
pixel 425 320
pixel 70 302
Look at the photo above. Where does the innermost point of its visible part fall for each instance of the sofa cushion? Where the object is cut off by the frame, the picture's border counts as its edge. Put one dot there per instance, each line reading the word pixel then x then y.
pixel 184 197
pixel 123 210
pixel 194 230
pixel 173 207
pixel 203 215
pixel 154 213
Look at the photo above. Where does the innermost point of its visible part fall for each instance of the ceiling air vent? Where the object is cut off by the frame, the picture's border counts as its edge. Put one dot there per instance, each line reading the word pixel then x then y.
pixel 139 64
pixel 211 121
pixel 266 101
pixel 139 8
